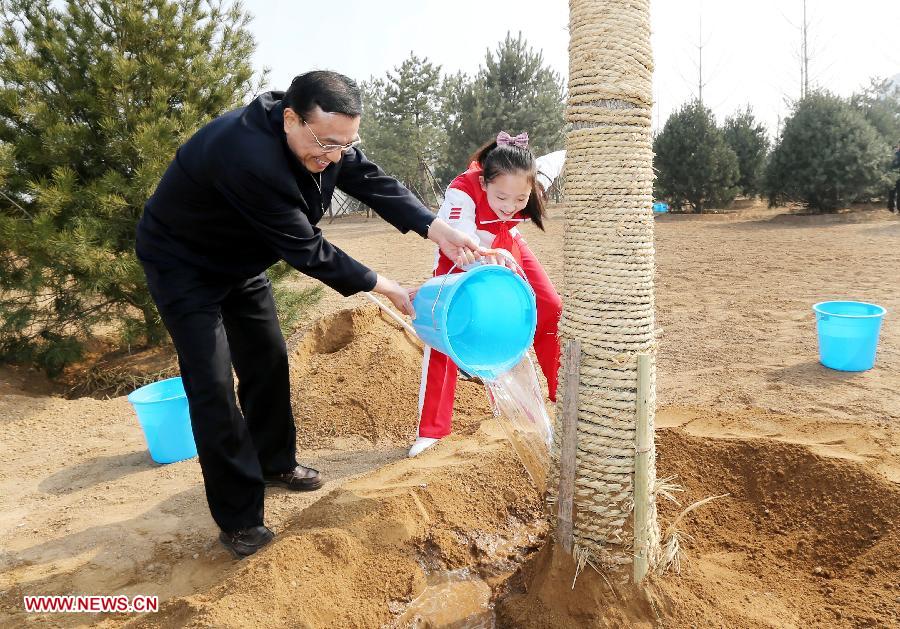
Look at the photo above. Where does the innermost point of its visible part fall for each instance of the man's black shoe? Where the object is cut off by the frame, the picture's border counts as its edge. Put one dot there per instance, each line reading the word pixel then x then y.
pixel 301 478
pixel 244 542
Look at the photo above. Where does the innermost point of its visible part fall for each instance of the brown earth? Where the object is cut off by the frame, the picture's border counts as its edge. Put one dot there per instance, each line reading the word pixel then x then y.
pixel 810 459
pixel 800 540
pixel 355 374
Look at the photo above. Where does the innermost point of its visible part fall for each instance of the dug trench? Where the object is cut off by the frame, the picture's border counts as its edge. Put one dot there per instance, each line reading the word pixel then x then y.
pixel 458 537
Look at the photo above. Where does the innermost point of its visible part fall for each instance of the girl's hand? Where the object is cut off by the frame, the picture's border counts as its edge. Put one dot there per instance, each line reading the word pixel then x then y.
pixel 496 256
pixel 398 295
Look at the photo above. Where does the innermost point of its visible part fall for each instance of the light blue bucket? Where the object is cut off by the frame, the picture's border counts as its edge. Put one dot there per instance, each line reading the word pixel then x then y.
pixel 162 410
pixel 848 334
pixel 660 208
pixel 483 319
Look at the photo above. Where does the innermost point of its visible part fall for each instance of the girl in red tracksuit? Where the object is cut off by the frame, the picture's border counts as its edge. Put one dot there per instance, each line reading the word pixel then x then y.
pixel 499 192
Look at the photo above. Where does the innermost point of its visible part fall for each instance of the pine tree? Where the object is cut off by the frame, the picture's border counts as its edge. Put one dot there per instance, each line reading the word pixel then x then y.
pixel 513 91
pixel 291 303
pixel 95 97
pixel 747 138
pixel 880 104
pixel 401 126
pixel 419 125
pixel 458 105
pixel 828 156
pixel 694 165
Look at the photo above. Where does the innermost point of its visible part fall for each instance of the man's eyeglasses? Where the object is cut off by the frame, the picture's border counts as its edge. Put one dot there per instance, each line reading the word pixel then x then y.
pixel 331 148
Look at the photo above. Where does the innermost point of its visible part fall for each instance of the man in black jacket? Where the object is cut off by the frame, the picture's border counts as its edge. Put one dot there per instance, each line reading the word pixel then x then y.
pixel 245 191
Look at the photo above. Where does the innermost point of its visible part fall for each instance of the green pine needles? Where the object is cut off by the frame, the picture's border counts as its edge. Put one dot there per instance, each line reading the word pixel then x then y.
pixel 95 98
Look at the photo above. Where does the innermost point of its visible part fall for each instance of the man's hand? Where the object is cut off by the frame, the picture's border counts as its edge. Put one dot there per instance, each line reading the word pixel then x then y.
pixel 398 295
pixel 456 245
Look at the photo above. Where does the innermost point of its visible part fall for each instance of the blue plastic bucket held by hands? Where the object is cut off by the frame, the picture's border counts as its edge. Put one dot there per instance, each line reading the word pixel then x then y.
pixel 162 410
pixel 483 319
pixel 848 334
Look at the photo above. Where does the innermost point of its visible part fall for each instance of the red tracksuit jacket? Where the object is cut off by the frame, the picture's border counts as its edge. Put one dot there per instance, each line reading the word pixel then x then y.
pixel 466 208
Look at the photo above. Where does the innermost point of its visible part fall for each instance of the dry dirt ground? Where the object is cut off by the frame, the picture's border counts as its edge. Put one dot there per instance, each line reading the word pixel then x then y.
pixel 810 459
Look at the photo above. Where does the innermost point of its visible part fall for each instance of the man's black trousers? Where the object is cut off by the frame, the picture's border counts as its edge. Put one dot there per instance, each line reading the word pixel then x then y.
pixel 216 322
pixel 894 197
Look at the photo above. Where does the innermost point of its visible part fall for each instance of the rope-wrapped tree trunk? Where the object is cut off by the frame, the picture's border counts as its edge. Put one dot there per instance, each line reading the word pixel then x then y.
pixel 608 275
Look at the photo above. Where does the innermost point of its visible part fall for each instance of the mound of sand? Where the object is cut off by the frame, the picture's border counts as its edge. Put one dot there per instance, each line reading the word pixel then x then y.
pixel 800 540
pixel 359 556
pixel 356 373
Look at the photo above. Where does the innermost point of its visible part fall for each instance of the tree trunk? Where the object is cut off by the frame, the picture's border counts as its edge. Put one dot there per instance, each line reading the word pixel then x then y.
pixel 608 299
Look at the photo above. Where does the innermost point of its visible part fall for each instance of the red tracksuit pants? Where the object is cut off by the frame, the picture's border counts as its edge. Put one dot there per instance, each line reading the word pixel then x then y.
pixel 438 387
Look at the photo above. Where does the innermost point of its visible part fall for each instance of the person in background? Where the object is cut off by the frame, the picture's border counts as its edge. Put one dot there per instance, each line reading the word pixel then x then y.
pixel 894 193
pixel 549 167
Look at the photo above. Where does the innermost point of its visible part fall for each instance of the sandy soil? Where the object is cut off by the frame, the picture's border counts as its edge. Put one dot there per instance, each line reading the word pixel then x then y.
pixel 810 458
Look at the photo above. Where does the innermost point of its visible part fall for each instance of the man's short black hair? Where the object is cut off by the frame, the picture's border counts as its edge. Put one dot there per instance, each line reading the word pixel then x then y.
pixel 333 92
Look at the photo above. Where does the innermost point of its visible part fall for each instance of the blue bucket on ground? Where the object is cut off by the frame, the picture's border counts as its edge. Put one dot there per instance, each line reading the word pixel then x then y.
pixel 162 410
pixel 848 334
pixel 483 319
pixel 660 208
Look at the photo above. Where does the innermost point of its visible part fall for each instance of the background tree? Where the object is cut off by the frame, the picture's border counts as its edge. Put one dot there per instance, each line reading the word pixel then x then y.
pixel 421 127
pixel 458 107
pixel 513 91
pixel 402 127
pixel 880 105
pixel 290 302
pixel 95 97
pixel 694 165
pixel 747 138
pixel 828 156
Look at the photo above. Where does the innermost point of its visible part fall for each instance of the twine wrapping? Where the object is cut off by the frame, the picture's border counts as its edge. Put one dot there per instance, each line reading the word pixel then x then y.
pixel 608 269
